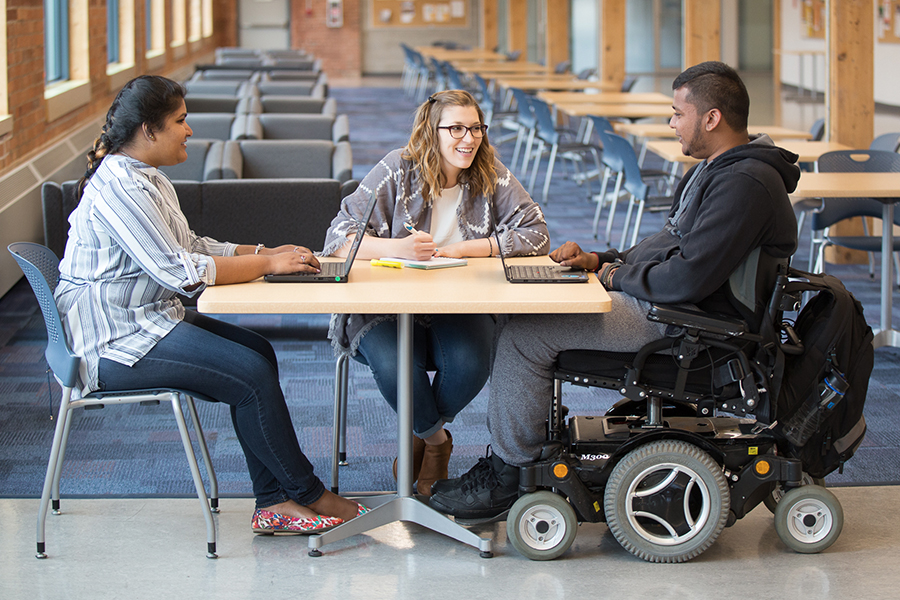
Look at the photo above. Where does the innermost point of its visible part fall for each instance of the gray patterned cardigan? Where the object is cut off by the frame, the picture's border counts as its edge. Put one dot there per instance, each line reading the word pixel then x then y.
pixel 395 181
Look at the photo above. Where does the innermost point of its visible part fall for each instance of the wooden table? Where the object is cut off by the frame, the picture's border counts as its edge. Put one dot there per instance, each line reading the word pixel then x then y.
pixel 614 110
pixel 441 53
pixel 605 97
pixel 554 82
pixel 490 70
pixel 809 151
pixel 663 131
pixel 881 186
pixel 478 288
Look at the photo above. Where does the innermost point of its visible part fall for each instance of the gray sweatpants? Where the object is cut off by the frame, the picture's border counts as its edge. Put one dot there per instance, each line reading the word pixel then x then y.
pixel 522 378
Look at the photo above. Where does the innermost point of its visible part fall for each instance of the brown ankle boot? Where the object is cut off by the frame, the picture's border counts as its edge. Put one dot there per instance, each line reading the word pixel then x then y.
pixel 418 454
pixel 434 465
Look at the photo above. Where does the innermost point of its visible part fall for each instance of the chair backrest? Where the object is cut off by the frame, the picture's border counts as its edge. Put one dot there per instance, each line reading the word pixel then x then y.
pixel 41 268
pixel 204 159
pixel 266 159
pixel 58 200
pixel 889 142
pixel 223 75
pixel 562 67
pixel 298 104
pixel 621 150
pixel 817 130
pixel 211 126
pixel 486 101
pixel 197 103
pixel 546 127
pixel 628 83
pixel 268 210
pixel 852 161
pixel 514 55
pixel 585 74
pixel 752 284
pixel 283 126
pixel 859 161
pixel 454 80
pixel 523 106
pixel 230 87
pixel 289 88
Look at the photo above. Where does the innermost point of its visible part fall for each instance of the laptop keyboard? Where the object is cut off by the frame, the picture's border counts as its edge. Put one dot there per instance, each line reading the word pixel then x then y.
pixel 535 272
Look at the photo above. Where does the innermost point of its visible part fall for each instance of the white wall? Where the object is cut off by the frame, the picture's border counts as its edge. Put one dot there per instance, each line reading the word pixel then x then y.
pixel 886 58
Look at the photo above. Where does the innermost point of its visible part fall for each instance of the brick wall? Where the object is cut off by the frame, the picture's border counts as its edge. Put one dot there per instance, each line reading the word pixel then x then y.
pixel 31 132
pixel 338 48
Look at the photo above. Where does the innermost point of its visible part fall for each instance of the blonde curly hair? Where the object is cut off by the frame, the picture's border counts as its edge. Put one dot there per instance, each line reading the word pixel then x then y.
pixel 424 147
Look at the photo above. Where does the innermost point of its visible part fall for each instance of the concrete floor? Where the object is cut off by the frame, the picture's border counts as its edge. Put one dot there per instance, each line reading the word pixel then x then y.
pixel 155 548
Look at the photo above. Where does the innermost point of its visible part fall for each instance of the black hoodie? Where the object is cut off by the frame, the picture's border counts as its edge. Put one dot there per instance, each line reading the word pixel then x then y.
pixel 742 204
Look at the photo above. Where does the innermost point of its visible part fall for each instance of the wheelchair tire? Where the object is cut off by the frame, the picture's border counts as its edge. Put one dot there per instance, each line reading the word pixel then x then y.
pixel 541 525
pixel 777 494
pixel 639 510
pixel 809 519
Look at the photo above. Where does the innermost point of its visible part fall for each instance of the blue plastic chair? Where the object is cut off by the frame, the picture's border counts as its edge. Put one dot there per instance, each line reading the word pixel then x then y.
pixel 837 209
pixel 527 129
pixel 634 184
pixel 549 135
pixel 889 142
pixel 41 268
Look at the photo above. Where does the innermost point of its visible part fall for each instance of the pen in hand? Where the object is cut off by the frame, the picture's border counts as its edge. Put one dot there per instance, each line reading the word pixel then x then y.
pixel 415 232
pixel 410 228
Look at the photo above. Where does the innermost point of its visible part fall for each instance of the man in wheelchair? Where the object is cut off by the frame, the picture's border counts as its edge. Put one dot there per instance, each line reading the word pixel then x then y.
pixel 730 217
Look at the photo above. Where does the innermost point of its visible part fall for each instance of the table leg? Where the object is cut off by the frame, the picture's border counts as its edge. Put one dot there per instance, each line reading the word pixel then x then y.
pixel 403 506
pixel 887 336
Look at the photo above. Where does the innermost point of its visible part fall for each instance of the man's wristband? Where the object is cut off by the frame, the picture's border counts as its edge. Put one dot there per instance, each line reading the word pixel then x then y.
pixel 606 275
pixel 258 248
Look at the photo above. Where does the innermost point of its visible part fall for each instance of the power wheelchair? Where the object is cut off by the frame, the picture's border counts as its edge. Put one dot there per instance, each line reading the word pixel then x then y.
pixel 691 448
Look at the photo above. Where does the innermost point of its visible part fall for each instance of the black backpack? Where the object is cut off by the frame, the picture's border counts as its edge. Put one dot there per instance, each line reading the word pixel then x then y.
pixel 837 355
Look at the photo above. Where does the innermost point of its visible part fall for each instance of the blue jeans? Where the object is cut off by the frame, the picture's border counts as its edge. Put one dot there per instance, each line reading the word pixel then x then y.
pixel 237 367
pixel 457 347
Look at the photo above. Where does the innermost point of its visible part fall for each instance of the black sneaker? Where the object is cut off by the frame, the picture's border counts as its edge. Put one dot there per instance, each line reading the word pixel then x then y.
pixel 485 491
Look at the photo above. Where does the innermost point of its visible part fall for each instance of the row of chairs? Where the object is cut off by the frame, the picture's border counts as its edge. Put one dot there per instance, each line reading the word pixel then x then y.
pixel 253 105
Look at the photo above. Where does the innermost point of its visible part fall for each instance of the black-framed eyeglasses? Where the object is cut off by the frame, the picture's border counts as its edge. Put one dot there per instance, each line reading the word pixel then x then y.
pixel 458 132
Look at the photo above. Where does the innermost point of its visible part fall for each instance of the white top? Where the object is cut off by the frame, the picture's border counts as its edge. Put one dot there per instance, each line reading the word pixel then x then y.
pixel 444 219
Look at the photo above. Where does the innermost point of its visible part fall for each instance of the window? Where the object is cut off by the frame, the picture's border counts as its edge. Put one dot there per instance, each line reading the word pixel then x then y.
pixel 56 40
pixel 156 27
pixel 207 18
pixel 112 31
pixel 179 23
pixel 196 21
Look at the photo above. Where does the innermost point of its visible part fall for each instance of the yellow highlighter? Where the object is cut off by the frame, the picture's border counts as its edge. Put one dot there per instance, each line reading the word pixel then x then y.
pixel 394 264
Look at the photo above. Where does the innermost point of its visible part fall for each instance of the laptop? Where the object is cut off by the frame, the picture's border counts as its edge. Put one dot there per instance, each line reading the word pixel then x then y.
pixel 539 273
pixel 332 272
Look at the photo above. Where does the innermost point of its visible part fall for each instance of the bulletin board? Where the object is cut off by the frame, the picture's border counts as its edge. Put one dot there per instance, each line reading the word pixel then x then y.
pixel 812 17
pixel 888 25
pixel 420 13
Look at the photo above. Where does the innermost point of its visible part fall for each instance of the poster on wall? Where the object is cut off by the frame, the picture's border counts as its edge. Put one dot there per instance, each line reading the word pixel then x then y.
pixel 419 13
pixel 812 17
pixel 888 25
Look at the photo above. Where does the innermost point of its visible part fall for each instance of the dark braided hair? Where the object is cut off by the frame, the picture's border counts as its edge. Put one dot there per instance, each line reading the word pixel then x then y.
pixel 145 99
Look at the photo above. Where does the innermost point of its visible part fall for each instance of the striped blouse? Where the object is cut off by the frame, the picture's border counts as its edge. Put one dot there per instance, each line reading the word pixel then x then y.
pixel 130 251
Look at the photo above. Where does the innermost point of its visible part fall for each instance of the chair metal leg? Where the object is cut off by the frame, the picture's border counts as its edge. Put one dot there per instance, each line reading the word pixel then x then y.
pixel 204 452
pixel 612 208
pixel 338 432
pixel 534 169
pixel 549 175
pixel 637 224
pixel 52 467
pixel 54 494
pixel 175 399
pixel 601 201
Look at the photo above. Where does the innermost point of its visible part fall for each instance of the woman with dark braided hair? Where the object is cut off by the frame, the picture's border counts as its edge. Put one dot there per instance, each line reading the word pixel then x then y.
pixel 130 252
pixel 443 194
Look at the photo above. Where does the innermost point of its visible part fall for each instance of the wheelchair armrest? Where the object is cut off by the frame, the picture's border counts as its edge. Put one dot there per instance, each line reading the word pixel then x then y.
pixel 695 319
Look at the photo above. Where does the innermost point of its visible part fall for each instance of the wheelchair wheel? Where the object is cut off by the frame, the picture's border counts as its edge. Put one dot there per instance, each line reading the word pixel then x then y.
pixel 667 501
pixel 777 494
pixel 542 525
pixel 809 519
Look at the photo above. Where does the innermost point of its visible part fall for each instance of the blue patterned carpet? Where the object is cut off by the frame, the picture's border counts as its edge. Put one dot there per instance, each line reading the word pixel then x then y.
pixel 136 450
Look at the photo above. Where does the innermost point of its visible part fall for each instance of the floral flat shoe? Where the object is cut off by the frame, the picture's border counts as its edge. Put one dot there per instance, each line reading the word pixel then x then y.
pixel 268 523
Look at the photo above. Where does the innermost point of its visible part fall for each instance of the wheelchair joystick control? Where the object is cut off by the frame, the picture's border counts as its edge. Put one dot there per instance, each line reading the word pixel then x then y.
pixel 802 424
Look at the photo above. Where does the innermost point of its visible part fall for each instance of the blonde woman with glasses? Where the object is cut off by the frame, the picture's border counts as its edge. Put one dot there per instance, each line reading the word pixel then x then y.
pixel 443 194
